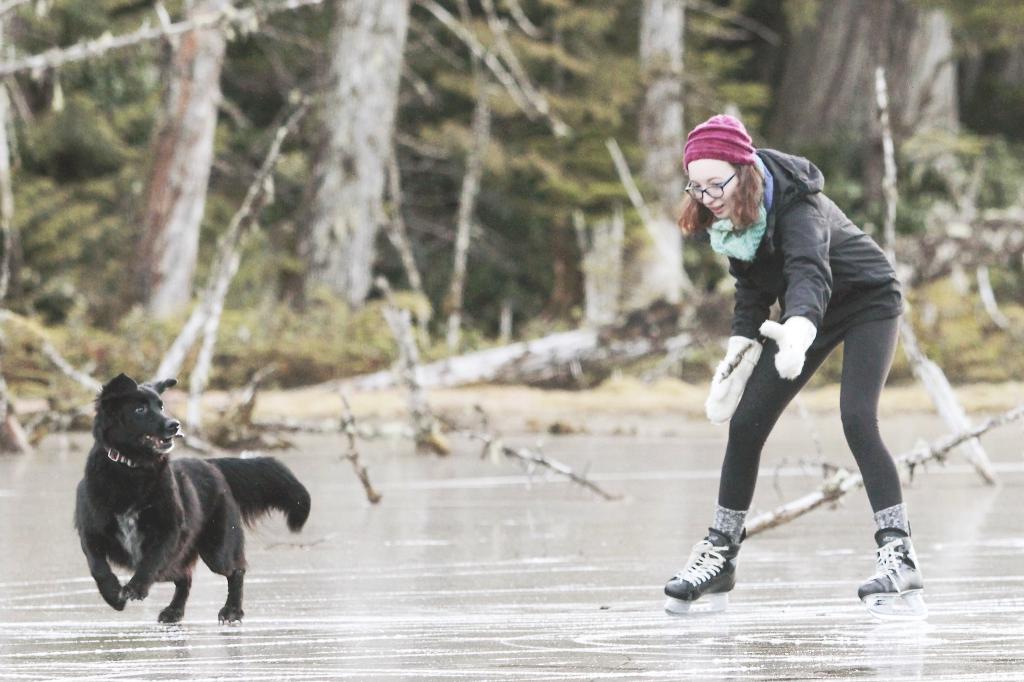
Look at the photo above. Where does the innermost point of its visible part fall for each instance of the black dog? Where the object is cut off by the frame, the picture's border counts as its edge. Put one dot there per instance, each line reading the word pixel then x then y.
pixel 143 511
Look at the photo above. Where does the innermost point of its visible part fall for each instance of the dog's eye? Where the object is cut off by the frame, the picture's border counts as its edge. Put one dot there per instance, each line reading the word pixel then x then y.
pixel 141 409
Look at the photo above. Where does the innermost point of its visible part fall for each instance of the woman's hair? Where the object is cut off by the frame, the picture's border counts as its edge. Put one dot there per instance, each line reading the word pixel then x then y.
pixel 747 198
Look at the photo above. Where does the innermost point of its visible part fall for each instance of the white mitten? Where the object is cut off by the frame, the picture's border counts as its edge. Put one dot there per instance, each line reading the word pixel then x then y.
pixel 794 338
pixel 731 378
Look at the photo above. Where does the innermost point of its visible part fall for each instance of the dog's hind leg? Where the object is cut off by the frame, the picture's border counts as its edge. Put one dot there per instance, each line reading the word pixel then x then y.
pixel 222 548
pixel 175 611
pixel 232 612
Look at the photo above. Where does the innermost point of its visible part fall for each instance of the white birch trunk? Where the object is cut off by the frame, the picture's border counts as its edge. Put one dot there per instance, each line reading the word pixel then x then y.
pixel 210 325
pixel 467 207
pixel 655 269
pixel 367 43
pixel 12 435
pixel 396 230
pixel 988 300
pixel 7 241
pixel 601 248
pixel 182 153
pixel 927 372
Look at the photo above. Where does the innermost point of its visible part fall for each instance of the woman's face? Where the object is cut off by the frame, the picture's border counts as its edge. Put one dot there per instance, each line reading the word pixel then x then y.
pixel 716 176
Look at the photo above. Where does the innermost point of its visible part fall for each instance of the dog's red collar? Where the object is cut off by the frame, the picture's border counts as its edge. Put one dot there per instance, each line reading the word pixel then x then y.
pixel 116 457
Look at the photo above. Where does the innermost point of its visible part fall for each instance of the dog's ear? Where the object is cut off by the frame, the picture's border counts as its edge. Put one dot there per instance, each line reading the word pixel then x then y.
pixel 162 386
pixel 119 386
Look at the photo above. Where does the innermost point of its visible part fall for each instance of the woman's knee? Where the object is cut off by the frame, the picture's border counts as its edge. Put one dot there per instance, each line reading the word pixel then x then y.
pixel 859 423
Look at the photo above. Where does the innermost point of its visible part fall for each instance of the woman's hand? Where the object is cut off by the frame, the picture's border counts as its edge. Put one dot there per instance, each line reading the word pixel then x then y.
pixel 730 378
pixel 794 338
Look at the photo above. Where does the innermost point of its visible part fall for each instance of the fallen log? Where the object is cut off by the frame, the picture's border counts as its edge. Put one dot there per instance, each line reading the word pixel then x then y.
pixel 554 357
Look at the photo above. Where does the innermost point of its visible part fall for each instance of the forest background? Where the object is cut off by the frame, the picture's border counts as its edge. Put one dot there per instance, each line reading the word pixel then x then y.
pixel 126 169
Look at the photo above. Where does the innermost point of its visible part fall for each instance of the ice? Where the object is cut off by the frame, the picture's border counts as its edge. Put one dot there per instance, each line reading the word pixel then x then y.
pixel 462 572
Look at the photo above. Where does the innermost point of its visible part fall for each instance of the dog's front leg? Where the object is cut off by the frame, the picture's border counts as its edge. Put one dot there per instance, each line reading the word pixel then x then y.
pixel 154 558
pixel 108 584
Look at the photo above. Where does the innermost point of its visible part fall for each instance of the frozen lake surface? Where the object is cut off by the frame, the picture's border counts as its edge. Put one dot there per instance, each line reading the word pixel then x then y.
pixel 470 570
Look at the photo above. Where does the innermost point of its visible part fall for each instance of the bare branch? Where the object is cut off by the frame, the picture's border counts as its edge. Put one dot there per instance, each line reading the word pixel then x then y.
pixel 51 353
pixel 927 372
pixel 532 103
pixel 229 258
pixel 396 230
pixel 428 436
pixel 532 457
pixel 348 425
pixel 845 481
pixel 636 198
pixel 737 19
pixel 224 267
pixel 626 177
pixel 229 17
pixel 523 21
pixel 507 53
pixel 988 299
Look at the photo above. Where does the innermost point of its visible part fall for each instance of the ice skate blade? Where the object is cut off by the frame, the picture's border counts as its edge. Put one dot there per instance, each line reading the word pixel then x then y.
pixel 711 603
pixel 892 607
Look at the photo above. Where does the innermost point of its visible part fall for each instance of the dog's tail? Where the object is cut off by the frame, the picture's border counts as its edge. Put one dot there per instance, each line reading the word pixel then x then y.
pixel 260 484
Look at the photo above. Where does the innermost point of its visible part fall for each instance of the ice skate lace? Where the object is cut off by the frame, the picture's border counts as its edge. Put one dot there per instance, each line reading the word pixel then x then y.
pixel 705 562
pixel 890 560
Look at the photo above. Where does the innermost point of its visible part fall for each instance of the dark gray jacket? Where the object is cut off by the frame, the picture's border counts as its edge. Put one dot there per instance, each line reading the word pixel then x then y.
pixel 812 259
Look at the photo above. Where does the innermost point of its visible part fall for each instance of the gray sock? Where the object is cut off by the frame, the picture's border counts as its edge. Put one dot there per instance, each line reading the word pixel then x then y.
pixel 893 517
pixel 729 521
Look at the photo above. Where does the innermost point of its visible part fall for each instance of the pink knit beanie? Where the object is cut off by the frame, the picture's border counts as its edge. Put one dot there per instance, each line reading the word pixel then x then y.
pixel 720 137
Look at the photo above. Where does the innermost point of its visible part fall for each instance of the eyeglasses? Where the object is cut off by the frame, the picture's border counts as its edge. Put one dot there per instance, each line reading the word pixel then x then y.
pixel 715 190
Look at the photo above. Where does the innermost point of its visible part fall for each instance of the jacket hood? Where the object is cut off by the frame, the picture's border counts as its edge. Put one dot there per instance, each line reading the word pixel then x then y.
pixel 792 174
pixel 794 177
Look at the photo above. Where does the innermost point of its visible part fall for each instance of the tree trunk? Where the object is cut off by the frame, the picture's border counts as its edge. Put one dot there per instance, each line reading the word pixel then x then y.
pixel 601 251
pixel 12 436
pixel 992 90
pixel 467 207
pixel 7 233
pixel 655 269
pixel 826 88
pixel 367 43
pixel 467 198
pixel 182 152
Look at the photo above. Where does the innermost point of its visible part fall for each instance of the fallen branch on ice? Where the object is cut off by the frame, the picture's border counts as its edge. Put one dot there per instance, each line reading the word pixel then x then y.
pixel 844 481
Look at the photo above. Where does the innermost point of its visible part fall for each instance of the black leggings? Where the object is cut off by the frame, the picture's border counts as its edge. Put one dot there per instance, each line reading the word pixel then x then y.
pixel 867 355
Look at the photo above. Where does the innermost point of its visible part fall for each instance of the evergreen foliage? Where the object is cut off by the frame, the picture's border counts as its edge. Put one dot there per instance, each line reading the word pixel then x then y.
pixel 82 136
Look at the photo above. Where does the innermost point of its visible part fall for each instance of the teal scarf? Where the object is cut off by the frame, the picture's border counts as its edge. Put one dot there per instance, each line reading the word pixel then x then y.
pixel 742 244
pixel 739 244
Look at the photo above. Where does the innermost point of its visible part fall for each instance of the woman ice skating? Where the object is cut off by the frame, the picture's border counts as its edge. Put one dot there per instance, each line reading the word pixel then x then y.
pixel 788 242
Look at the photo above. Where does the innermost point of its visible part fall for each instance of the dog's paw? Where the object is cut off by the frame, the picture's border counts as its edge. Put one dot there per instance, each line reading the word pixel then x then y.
pixel 134 591
pixel 115 600
pixel 171 615
pixel 230 615
pixel 110 590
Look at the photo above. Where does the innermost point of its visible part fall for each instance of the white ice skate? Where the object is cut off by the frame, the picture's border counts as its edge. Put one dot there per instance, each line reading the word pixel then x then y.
pixel 896 591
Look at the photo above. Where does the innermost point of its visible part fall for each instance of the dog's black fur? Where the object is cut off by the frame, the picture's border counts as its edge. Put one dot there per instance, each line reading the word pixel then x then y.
pixel 143 511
